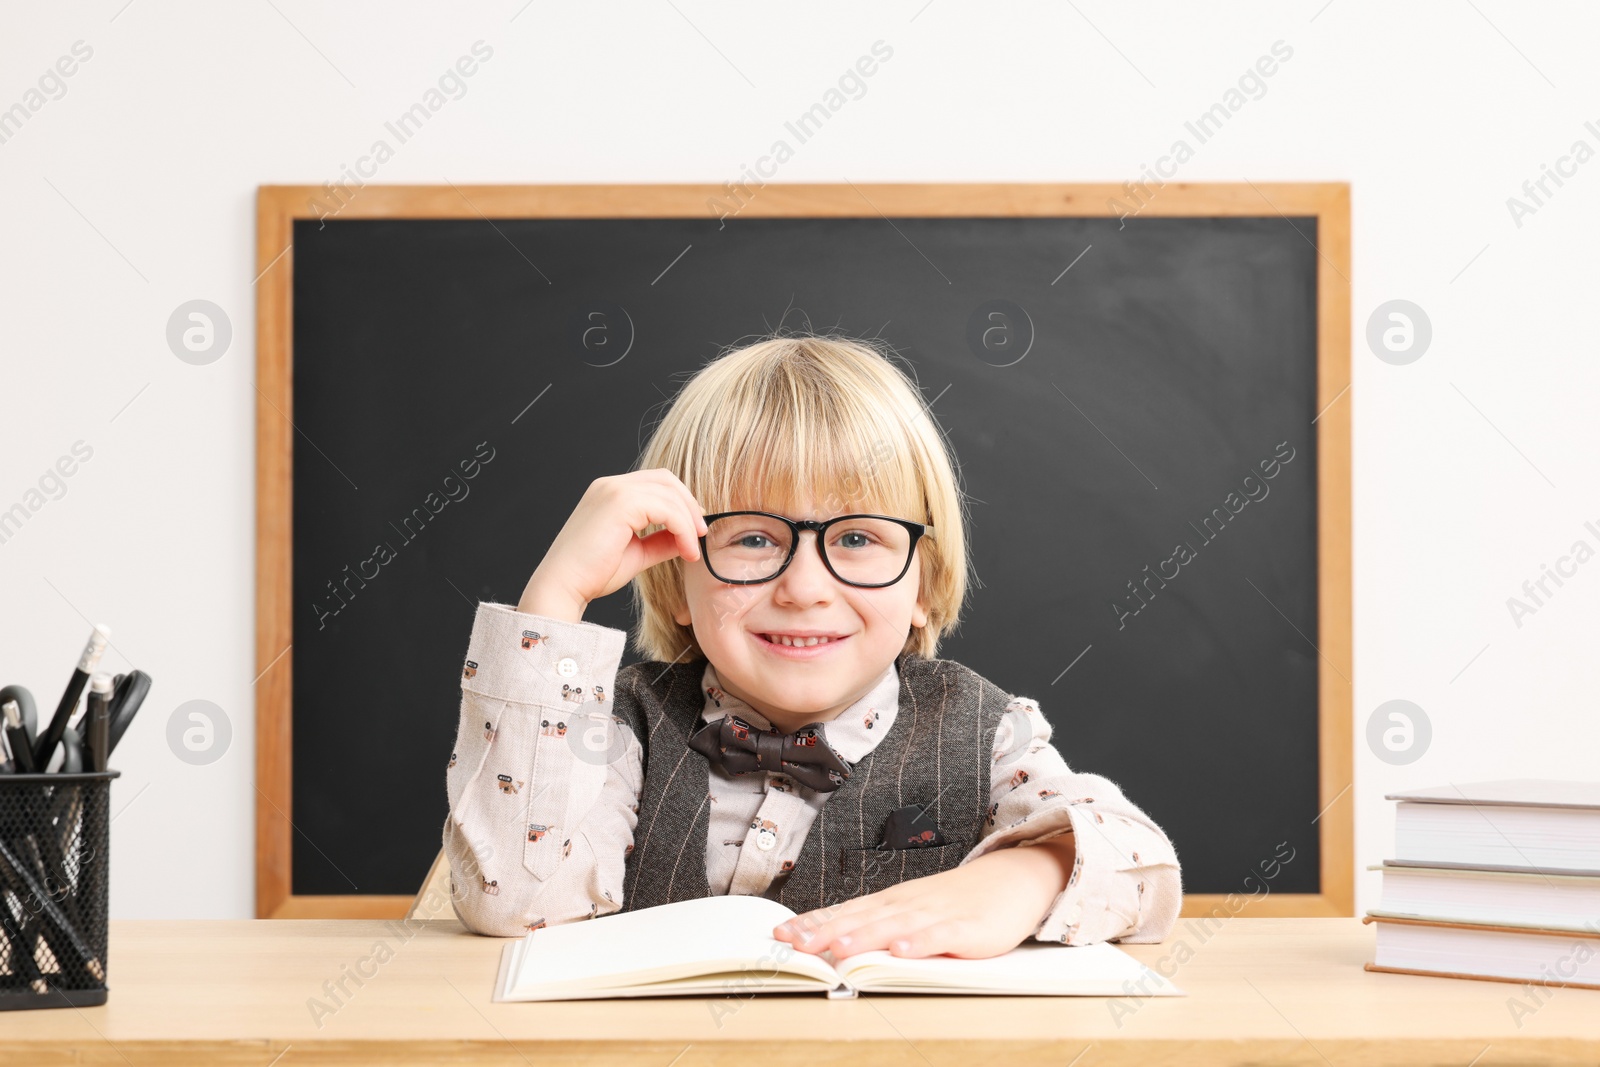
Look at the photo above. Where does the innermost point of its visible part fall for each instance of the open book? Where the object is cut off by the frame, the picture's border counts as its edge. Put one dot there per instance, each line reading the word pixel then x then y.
pixel 724 945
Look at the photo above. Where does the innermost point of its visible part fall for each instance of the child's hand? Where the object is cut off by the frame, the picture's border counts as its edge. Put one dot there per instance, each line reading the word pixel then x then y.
pixel 598 550
pixel 986 907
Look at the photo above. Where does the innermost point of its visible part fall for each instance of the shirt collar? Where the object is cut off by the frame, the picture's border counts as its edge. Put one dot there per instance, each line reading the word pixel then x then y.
pixel 854 733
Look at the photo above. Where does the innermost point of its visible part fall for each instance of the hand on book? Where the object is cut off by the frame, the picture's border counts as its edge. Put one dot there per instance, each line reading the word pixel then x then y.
pixel 986 907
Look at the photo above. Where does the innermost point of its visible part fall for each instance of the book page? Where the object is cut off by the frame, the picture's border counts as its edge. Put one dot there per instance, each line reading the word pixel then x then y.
pixel 719 936
pixel 1032 968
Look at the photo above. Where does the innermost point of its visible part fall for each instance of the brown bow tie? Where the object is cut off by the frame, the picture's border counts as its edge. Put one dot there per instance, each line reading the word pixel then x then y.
pixel 805 755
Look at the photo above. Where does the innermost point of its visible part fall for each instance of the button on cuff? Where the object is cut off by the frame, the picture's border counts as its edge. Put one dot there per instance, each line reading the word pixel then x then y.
pixel 534 659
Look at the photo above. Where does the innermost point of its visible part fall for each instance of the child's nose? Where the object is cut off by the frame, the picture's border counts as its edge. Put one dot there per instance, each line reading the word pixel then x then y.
pixel 806 579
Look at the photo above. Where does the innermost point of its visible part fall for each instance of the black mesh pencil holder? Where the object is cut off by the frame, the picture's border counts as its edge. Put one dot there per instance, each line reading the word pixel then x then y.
pixel 55 854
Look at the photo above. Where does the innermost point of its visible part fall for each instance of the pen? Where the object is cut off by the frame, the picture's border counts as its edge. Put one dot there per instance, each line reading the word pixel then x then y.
pixel 20 744
pixel 51 737
pixel 24 942
pixel 17 738
pixel 66 816
pixel 97 730
pixel 64 941
pixel 30 849
pixel 65 808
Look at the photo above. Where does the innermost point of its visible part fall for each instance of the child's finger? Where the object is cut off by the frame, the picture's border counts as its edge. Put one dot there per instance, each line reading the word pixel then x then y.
pixel 693 528
pixel 659 546
pixel 686 544
pixel 807 940
pixel 676 486
pixel 682 521
pixel 816 931
pixel 816 918
pixel 696 512
pixel 662 545
pixel 664 509
pixel 916 928
pixel 934 939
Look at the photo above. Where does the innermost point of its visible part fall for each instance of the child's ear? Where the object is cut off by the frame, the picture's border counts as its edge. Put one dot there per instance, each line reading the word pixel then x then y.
pixel 919 614
pixel 682 614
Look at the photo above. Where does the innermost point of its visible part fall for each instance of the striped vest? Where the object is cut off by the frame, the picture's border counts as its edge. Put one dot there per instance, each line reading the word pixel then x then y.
pixel 938 753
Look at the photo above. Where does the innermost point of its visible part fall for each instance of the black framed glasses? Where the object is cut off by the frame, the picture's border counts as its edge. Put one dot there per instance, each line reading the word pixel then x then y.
pixel 751 547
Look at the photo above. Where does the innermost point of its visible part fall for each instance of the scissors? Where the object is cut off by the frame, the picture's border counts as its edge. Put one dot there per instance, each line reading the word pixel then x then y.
pixel 127 693
pixel 72 747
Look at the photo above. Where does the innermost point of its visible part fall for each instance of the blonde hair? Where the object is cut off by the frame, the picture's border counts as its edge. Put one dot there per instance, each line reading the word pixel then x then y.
pixel 759 425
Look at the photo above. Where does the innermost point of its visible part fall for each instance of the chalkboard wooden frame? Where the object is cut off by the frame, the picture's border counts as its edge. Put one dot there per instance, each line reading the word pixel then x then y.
pixel 278 206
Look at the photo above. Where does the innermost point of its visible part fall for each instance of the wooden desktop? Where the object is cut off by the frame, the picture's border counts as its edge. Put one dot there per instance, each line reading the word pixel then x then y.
pixel 1259 990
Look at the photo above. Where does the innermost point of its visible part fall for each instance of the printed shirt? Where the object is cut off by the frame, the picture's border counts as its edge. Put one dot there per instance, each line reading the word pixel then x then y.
pixel 530 677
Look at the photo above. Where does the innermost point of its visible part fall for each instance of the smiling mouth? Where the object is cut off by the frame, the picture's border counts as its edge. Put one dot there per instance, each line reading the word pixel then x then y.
pixel 799 642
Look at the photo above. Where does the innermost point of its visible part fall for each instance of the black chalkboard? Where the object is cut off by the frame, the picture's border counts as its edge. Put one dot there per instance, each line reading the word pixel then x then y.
pixel 1107 388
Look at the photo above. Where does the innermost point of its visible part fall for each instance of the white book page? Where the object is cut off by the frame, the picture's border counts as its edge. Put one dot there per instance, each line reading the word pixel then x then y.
pixel 1032 968
pixel 1547 839
pixel 1453 950
pixel 1444 894
pixel 724 937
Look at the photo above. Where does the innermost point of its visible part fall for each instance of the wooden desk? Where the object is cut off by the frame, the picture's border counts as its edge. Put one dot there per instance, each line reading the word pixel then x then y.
pixel 1281 991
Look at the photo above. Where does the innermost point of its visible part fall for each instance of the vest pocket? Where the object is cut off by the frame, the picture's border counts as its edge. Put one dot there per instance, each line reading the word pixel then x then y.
pixel 868 870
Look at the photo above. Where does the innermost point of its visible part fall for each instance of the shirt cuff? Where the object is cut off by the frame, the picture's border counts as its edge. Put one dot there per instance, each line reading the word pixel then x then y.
pixel 534 659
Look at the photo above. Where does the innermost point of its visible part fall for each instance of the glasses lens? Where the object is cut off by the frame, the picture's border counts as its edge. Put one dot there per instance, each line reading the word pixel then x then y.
pixel 744 548
pixel 866 551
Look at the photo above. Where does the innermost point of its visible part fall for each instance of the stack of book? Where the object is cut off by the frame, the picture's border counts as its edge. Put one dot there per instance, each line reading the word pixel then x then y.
pixel 1494 880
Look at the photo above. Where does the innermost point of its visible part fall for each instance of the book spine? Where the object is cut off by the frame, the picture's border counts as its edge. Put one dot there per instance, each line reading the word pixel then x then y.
pixel 843 991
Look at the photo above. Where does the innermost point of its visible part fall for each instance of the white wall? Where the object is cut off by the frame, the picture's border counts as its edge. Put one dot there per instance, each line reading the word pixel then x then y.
pixel 134 191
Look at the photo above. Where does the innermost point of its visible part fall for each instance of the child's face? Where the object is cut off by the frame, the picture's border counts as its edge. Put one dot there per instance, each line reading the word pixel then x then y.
pixel 729 621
